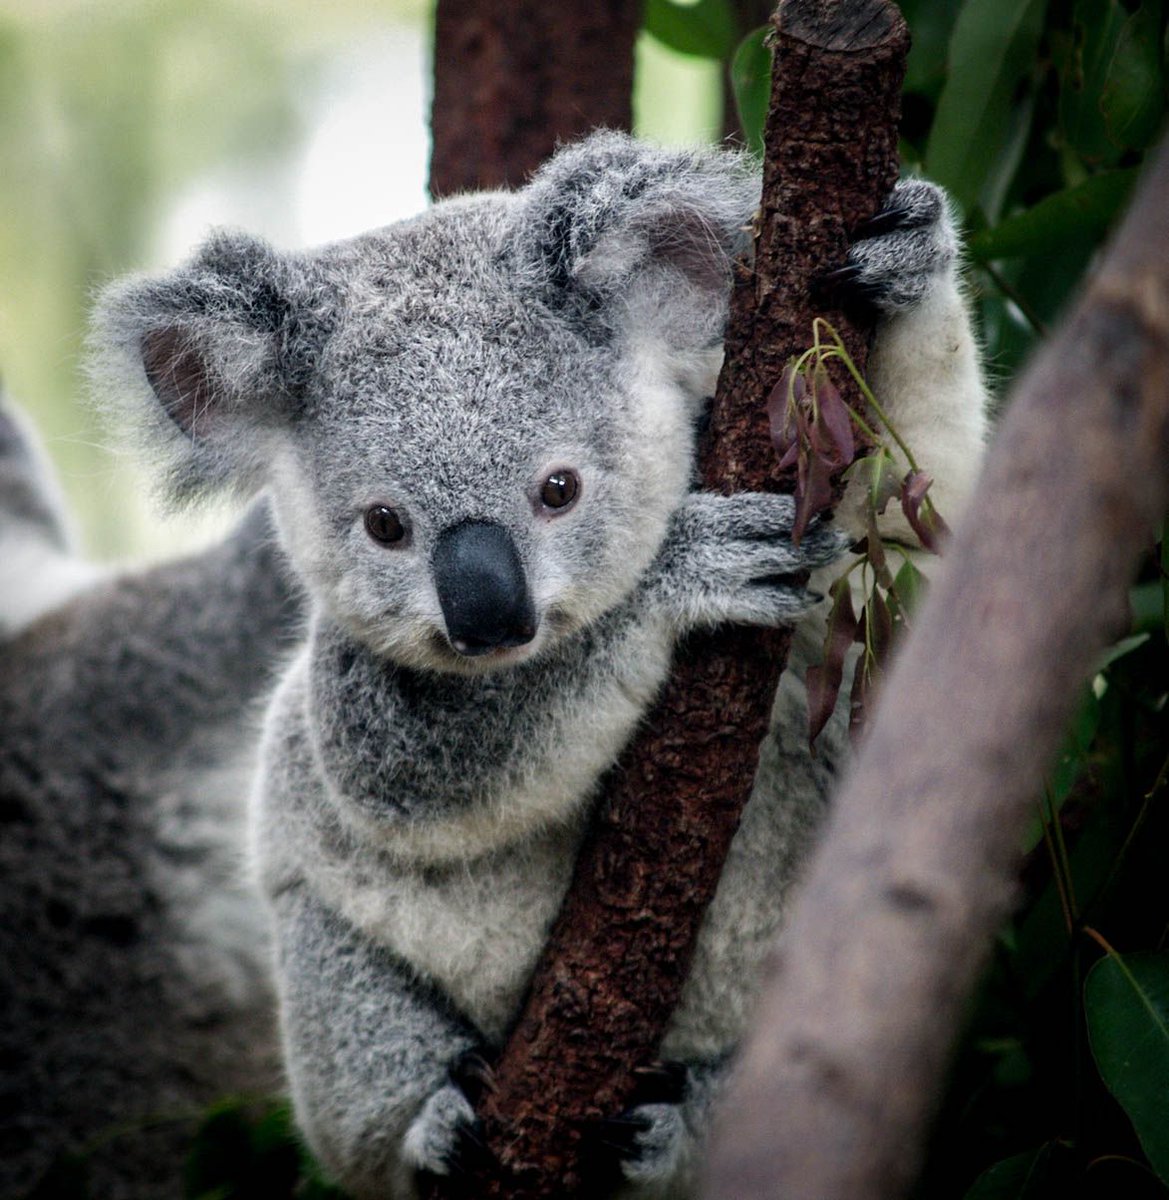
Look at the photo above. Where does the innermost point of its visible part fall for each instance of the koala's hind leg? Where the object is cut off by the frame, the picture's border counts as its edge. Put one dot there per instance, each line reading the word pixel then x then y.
pixel 38 567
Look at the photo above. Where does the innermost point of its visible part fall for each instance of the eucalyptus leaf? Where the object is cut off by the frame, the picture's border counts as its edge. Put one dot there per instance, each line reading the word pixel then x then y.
pixel 1082 212
pixel 1020 1177
pixel 992 50
pixel 1086 59
pixel 751 84
pixel 1126 1004
pixel 706 29
pixel 1133 97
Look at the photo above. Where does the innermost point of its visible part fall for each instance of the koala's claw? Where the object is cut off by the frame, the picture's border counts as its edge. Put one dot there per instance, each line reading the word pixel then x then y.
pixel 895 254
pixel 661 1083
pixel 640 1145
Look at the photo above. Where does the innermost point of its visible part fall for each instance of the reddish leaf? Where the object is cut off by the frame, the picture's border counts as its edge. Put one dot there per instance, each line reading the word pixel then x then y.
pixel 881 627
pixel 858 695
pixel 834 418
pixel 923 518
pixel 783 416
pixel 824 679
pixel 813 492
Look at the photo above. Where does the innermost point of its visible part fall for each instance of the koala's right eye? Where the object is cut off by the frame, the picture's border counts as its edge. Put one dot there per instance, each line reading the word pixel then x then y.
pixel 384 525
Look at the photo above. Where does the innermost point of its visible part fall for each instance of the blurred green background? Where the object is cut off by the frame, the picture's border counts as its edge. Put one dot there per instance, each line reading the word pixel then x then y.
pixel 130 127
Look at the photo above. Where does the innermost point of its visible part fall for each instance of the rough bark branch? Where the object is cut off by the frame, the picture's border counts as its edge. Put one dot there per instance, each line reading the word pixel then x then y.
pixel 619 952
pixel 919 866
pixel 513 79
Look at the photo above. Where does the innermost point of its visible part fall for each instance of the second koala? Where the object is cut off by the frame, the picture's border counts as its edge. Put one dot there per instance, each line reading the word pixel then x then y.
pixel 477 431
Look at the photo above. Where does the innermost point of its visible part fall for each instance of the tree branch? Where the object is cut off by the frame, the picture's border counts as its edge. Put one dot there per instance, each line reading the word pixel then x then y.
pixel 511 80
pixel 920 862
pixel 619 952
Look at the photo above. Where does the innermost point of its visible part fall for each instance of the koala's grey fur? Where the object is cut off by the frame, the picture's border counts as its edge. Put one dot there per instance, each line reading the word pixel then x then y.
pixel 134 981
pixel 420 801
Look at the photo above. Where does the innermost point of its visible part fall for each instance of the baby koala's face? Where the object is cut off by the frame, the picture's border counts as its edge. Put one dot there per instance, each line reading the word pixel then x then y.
pixel 473 478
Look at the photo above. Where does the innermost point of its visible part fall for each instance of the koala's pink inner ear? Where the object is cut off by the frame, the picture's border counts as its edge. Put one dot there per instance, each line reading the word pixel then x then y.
pixel 689 241
pixel 177 373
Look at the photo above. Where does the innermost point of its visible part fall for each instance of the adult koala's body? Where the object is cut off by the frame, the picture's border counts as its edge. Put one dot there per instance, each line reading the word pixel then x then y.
pixel 477 429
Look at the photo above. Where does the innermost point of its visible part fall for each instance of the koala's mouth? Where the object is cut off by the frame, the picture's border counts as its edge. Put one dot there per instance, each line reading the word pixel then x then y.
pixel 474 658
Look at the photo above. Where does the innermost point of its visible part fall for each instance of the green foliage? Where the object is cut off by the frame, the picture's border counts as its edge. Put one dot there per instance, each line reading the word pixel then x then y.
pixel 1126 1002
pixel 750 70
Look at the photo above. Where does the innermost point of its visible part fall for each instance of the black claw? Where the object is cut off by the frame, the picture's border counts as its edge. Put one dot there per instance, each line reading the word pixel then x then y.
pixel 660 1083
pixel 885 221
pixel 473 1075
pixel 846 288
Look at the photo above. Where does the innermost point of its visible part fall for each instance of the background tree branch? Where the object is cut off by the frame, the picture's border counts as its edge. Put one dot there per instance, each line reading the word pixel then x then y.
pixel 920 863
pixel 511 80
pixel 619 952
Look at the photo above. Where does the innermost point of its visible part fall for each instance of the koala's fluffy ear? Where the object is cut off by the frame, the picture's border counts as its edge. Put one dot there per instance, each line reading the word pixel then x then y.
pixel 209 360
pixel 639 237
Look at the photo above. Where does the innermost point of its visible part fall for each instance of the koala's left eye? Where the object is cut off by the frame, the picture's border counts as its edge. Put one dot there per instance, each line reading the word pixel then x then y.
pixel 560 490
pixel 384 525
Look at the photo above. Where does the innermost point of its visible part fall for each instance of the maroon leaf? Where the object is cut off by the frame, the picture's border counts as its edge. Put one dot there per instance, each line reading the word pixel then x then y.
pixel 813 492
pixel 784 417
pixel 834 418
pixel 824 679
pixel 923 518
pixel 858 695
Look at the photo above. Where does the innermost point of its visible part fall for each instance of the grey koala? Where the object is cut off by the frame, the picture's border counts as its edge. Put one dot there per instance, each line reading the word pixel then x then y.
pixel 135 979
pixel 477 431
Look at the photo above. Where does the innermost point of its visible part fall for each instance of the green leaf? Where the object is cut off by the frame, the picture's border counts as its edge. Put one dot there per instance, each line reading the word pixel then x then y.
pixel 931 22
pixel 1133 97
pixel 1126 1003
pixel 910 585
pixel 1020 1177
pixel 1096 26
pixel 1082 212
pixel 993 48
pixel 706 29
pixel 751 83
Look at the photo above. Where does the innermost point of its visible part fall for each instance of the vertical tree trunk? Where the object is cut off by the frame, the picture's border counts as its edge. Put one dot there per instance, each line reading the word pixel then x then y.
pixel 921 858
pixel 619 952
pixel 513 79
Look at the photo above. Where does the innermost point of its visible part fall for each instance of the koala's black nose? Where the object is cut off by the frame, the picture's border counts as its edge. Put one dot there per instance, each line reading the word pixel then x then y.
pixel 482 589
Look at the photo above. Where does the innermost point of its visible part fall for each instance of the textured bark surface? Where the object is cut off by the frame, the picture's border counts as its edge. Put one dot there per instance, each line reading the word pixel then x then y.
pixel 619 952
pixel 908 888
pixel 513 79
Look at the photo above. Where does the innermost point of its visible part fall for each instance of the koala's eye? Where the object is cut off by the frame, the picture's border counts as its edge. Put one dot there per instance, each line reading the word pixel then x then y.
pixel 384 525
pixel 560 490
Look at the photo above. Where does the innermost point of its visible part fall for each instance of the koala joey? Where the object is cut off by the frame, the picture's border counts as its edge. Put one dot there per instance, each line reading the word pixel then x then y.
pixel 477 431
pixel 135 981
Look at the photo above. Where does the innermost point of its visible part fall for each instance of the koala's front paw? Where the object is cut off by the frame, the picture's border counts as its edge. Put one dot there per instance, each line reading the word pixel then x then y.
pixel 730 559
pixel 445 1137
pixel 647 1143
pixel 898 253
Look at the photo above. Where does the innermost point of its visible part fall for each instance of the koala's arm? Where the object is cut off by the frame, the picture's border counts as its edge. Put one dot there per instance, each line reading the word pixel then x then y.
pixel 924 367
pixel 369 1050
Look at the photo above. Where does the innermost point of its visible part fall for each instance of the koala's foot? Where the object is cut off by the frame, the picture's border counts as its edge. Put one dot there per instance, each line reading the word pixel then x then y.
pixel 445 1138
pixel 897 253
pixel 647 1143
pixel 730 559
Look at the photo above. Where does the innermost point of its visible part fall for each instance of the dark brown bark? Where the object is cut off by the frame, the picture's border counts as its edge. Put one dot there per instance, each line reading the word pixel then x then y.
pixel 619 952
pixel 513 79
pixel 920 862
